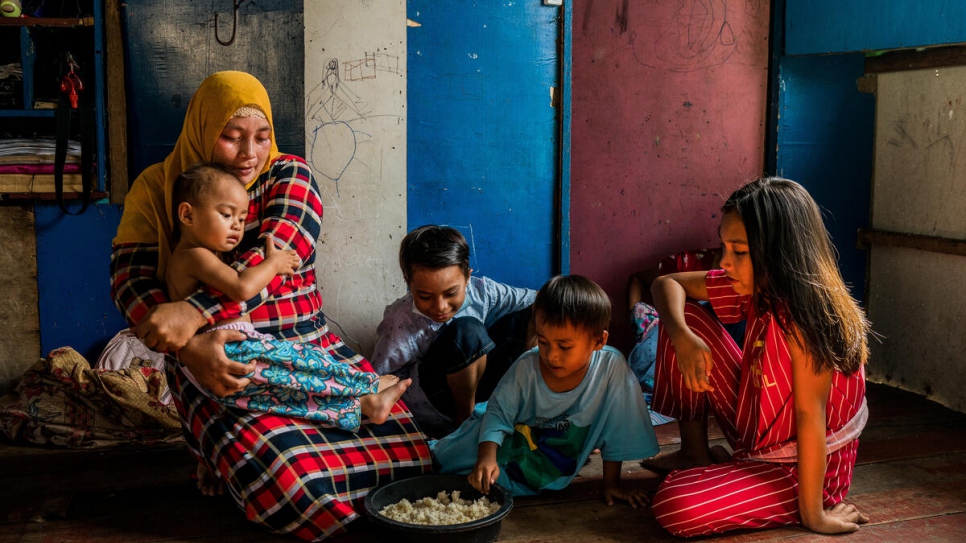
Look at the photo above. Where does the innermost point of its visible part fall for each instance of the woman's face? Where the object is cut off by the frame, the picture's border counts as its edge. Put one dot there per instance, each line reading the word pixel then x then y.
pixel 735 258
pixel 243 146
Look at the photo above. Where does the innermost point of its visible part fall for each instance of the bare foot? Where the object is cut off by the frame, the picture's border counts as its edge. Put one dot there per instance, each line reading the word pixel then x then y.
pixel 670 461
pixel 720 455
pixel 386 381
pixel 376 407
pixel 208 483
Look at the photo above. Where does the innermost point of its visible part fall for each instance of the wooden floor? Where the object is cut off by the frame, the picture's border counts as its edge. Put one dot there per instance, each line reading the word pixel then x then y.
pixel 911 481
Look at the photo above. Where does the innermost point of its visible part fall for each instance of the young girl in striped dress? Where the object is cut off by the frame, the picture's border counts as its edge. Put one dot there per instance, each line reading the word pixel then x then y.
pixel 790 401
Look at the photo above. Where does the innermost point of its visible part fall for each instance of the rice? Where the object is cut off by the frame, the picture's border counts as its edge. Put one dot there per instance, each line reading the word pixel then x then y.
pixel 441 510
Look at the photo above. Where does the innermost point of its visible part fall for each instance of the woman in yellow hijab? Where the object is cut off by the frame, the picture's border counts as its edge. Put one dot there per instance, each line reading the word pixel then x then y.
pixel 317 489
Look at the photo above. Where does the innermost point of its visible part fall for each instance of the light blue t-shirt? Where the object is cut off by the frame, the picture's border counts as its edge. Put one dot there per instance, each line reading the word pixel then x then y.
pixel 545 437
pixel 405 334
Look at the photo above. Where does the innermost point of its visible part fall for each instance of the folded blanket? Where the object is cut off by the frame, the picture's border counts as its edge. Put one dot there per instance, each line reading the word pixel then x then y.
pixel 36 169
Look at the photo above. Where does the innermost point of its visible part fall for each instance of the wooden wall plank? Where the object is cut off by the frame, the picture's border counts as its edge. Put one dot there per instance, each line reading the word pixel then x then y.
pixel 19 312
pixel 118 178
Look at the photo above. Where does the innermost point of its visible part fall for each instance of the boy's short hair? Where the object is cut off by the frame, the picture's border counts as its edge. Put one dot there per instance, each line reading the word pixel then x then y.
pixel 196 180
pixel 433 247
pixel 574 300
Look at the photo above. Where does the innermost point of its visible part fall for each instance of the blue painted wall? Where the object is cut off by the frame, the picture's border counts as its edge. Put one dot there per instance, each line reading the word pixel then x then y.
pixel 482 135
pixel 74 278
pixel 840 26
pixel 824 141
pixel 823 128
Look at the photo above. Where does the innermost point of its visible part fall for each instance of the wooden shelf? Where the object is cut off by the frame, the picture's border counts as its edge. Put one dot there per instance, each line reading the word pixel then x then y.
pixel 47 21
pixel 27 112
pixel 49 196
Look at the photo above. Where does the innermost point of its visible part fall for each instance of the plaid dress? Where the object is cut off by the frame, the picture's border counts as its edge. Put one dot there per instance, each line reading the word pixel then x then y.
pixel 291 475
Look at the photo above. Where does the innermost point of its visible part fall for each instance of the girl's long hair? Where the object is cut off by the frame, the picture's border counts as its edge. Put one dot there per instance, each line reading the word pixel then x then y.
pixel 796 275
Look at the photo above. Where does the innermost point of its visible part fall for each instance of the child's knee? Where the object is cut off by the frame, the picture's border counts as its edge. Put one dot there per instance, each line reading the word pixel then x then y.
pixel 676 507
pixel 461 342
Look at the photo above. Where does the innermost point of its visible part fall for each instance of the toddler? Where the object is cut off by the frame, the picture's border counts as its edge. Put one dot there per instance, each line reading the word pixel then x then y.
pixel 291 378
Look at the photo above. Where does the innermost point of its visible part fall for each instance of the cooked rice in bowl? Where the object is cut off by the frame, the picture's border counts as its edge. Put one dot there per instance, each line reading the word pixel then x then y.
pixel 444 509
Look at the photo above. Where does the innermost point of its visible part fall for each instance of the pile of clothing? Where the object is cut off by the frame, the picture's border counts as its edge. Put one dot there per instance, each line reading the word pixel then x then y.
pixel 27 165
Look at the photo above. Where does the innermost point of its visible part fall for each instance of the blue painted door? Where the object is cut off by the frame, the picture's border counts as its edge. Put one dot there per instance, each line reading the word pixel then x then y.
pixel 482 131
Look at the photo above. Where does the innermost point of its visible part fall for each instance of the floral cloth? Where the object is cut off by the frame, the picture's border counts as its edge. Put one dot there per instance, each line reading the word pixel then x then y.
pixel 298 380
pixel 62 401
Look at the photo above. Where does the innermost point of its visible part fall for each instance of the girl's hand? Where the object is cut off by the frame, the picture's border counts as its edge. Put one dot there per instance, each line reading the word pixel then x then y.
pixel 286 261
pixel 635 498
pixel 840 518
pixel 483 475
pixel 694 361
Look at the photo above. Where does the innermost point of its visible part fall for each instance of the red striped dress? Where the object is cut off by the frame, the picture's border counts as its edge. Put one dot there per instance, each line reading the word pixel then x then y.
pixel 753 404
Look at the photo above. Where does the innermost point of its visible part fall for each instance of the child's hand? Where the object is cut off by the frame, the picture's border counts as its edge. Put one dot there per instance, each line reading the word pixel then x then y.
pixel 483 475
pixel 635 498
pixel 840 518
pixel 694 361
pixel 285 261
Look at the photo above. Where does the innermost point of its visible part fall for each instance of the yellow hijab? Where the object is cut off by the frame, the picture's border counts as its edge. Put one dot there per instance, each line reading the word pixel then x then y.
pixel 147 216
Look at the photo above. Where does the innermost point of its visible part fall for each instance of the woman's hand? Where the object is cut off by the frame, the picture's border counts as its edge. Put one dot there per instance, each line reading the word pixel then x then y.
pixel 838 519
pixel 205 356
pixel 168 327
pixel 694 361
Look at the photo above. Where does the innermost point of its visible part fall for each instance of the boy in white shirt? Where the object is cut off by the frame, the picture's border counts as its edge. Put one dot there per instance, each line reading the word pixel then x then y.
pixel 453 334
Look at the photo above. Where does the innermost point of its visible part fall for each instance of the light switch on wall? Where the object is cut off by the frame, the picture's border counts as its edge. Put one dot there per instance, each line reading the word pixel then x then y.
pixel 552 2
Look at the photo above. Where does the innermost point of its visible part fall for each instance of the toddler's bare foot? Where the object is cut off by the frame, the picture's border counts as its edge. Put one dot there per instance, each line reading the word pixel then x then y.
pixel 667 462
pixel 208 483
pixel 376 407
pixel 386 381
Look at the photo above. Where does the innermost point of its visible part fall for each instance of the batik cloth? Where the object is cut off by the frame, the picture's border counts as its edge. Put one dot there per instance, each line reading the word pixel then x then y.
pixel 296 379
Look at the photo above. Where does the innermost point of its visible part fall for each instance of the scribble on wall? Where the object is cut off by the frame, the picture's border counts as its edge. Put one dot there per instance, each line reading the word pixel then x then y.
pixel 698 35
pixel 366 68
pixel 331 109
pixel 335 114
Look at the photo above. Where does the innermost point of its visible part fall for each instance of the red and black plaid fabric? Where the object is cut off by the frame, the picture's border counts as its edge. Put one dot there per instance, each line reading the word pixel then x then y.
pixel 283 202
pixel 290 475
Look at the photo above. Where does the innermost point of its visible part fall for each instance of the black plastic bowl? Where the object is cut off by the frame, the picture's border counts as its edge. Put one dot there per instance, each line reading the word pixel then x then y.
pixel 484 530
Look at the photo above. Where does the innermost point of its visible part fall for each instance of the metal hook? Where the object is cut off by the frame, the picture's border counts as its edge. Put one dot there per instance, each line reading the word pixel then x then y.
pixel 234 24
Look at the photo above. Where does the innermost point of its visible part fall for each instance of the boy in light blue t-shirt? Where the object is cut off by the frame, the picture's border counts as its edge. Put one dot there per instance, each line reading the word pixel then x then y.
pixel 556 404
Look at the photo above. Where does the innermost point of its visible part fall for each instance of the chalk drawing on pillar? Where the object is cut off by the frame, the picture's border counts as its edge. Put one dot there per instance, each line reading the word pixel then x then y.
pixel 336 115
